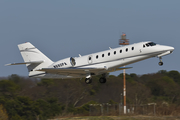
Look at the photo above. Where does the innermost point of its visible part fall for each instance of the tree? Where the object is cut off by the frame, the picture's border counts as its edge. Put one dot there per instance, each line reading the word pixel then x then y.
pixel 156 89
pixel 164 72
pixel 3 113
pixel 8 87
pixel 45 82
pixel 15 78
pixel 48 108
pixel 16 117
pixel 128 77
pixel 137 93
pixel 175 75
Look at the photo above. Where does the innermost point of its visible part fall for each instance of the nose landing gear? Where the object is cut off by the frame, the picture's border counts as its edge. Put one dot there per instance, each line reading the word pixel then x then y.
pixel 160 63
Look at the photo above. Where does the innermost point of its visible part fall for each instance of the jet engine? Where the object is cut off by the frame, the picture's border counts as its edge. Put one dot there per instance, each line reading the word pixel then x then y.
pixel 68 62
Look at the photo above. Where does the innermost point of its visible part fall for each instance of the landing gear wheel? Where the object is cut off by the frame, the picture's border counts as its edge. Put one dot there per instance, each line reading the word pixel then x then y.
pixel 102 80
pixel 160 63
pixel 88 80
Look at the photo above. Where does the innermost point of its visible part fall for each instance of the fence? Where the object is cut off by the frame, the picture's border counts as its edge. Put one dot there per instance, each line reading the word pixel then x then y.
pixel 117 109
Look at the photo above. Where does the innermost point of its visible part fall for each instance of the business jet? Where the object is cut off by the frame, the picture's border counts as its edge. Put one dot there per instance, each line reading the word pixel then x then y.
pixel 99 63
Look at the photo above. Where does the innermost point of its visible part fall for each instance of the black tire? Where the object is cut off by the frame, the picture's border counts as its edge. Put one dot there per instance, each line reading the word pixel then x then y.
pixel 160 63
pixel 102 80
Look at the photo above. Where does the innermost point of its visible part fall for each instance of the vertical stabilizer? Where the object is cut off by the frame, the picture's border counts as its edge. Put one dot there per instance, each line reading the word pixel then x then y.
pixel 35 57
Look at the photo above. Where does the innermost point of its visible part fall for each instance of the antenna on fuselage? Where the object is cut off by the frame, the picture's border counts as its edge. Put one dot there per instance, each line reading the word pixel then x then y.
pixel 123 41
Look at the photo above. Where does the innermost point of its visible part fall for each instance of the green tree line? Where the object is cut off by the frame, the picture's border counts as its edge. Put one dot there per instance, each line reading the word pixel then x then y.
pixel 23 98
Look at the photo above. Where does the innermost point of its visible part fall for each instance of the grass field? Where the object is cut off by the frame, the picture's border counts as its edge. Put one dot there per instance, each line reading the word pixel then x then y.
pixel 120 118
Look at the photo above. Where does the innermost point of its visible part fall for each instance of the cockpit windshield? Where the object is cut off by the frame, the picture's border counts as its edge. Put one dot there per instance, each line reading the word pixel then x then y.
pixel 150 44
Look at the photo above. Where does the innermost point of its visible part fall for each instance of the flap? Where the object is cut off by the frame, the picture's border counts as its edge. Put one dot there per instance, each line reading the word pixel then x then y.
pixel 71 70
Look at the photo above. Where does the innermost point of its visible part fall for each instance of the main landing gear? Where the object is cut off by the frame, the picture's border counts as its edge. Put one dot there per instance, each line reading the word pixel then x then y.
pixel 88 79
pixel 160 63
pixel 102 80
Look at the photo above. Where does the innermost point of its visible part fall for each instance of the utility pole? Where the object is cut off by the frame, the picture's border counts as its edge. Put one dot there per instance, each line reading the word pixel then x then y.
pixel 124 89
pixel 123 41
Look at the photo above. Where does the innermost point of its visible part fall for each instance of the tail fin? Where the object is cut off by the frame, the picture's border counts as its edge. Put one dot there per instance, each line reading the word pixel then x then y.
pixel 33 58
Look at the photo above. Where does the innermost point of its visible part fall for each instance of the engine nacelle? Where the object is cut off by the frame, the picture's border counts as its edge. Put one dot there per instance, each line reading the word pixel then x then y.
pixel 68 62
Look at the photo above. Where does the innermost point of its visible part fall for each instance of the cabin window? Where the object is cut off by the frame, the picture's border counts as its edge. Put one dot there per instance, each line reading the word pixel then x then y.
pixel 120 51
pixel 89 58
pixel 102 55
pixel 151 44
pixel 114 52
pixel 132 48
pixel 96 56
pixel 147 45
pixel 126 49
pixel 109 54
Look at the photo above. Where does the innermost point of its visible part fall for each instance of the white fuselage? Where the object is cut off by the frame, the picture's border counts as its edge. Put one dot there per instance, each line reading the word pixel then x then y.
pixel 111 59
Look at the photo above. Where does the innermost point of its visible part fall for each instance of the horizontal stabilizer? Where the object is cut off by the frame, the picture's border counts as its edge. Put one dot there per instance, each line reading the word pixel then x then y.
pixel 33 62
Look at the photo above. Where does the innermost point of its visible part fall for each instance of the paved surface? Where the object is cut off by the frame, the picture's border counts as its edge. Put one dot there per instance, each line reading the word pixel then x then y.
pixel 121 118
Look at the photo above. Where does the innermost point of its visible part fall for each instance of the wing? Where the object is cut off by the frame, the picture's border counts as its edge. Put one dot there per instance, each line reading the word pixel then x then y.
pixel 117 69
pixel 80 71
pixel 72 71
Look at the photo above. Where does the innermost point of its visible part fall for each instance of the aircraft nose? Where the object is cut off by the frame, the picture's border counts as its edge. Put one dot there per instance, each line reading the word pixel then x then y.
pixel 171 48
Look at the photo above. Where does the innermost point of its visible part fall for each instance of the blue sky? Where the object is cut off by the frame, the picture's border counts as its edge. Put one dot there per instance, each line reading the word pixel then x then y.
pixel 65 28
